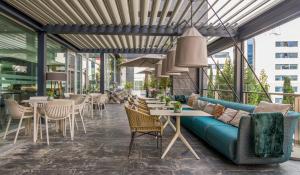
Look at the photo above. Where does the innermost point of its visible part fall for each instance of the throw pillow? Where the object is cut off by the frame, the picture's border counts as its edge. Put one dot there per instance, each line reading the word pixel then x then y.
pixel 218 111
pixel 228 115
pixel 264 106
pixel 209 108
pixel 201 105
pixel 236 120
pixel 192 99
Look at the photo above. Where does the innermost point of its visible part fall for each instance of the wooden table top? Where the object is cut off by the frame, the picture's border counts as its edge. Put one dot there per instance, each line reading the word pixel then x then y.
pixel 188 113
pixel 164 106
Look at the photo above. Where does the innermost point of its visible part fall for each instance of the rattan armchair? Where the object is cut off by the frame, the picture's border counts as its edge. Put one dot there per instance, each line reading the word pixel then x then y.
pixel 142 123
pixel 16 111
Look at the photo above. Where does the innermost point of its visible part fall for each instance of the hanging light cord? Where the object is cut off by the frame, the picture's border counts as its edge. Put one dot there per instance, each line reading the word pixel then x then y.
pixel 238 48
pixel 191 13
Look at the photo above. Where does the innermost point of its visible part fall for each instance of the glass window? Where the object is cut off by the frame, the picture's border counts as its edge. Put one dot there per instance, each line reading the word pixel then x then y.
pixel 278 89
pixel 286 44
pixel 18 64
pixel 286 66
pixel 281 77
pixel 278 100
pixel 286 55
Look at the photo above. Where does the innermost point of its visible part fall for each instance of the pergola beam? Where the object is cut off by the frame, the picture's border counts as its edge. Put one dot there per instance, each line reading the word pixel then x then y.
pixel 274 17
pixel 115 50
pixel 146 30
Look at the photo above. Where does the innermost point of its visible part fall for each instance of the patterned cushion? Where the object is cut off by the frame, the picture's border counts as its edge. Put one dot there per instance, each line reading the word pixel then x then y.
pixel 209 108
pixel 236 120
pixel 192 99
pixel 228 115
pixel 218 111
pixel 199 105
pixel 264 106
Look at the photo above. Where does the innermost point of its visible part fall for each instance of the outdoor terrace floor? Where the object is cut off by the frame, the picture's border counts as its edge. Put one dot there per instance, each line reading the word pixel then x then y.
pixel 103 150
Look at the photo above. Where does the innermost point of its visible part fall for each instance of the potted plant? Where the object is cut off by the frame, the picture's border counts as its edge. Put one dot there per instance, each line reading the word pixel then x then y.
pixel 167 99
pixel 177 107
pixel 50 95
pixel 128 87
pixel 162 98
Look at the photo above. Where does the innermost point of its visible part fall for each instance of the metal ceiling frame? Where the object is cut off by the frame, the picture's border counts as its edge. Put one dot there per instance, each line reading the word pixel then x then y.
pixel 145 30
pixel 269 19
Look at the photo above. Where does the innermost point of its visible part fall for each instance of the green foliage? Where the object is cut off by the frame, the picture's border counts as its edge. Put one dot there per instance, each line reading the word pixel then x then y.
pixel 51 93
pixel 177 105
pixel 128 86
pixel 251 86
pixel 263 77
pixel 210 87
pixel 164 83
pixel 220 81
pixel 153 82
pixel 287 88
pixel 162 98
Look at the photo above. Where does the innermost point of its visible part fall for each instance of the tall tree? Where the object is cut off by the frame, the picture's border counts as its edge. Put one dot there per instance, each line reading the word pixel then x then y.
pixel 287 88
pixel 263 77
pixel 221 83
pixel 210 88
pixel 251 86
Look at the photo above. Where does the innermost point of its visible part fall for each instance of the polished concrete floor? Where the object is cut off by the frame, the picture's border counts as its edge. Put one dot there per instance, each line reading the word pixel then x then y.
pixel 103 150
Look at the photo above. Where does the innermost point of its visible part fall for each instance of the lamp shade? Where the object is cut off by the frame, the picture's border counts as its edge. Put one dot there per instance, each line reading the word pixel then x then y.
pixel 158 68
pixel 191 49
pixel 56 76
pixel 171 68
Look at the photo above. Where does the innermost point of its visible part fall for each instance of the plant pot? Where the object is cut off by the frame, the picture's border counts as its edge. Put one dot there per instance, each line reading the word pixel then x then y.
pixel 50 98
pixel 177 110
pixel 167 103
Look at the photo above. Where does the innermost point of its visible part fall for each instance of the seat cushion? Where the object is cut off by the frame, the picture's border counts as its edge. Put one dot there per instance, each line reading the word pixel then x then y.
pixel 200 125
pixel 223 138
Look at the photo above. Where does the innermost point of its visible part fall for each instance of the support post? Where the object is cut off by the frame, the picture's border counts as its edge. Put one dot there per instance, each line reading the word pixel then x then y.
pixel 201 82
pixel 102 72
pixel 41 63
pixel 239 72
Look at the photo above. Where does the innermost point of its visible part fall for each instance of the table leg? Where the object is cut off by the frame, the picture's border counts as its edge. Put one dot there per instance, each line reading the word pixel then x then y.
pixel 34 122
pixel 73 119
pixel 168 121
pixel 92 107
pixel 178 134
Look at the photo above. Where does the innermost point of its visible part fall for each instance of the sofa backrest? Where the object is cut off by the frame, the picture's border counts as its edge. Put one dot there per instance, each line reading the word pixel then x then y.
pixel 228 104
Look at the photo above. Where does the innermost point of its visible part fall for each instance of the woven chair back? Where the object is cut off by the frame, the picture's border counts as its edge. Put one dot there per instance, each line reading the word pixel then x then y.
pixel 58 109
pixel 13 108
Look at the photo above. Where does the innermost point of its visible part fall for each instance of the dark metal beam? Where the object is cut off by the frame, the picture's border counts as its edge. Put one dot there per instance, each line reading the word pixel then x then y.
pixel 137 51
pixel 133 30
pixel 219 45
pixel 239 72
pixel 102 72
pixel 64 42
pixel 274 17
pixel 42 62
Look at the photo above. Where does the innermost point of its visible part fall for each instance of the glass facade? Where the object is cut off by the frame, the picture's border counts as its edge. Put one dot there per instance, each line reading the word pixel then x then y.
pixel 250 52
pixel 18 63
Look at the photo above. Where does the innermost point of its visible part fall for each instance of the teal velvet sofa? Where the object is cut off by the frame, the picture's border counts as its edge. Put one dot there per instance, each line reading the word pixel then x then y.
pixel 235 143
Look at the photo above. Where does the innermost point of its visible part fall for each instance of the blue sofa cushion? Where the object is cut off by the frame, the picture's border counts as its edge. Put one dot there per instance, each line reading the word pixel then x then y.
pixel 223 138
pixel 200 125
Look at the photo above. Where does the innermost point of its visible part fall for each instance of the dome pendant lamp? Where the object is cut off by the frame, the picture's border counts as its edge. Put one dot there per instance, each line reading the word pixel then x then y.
pixel 191 48
pixel 171 68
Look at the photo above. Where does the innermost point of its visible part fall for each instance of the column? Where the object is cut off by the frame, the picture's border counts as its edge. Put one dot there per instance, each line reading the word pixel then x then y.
pixel 41 64
pixel 102 72
pixel 239 72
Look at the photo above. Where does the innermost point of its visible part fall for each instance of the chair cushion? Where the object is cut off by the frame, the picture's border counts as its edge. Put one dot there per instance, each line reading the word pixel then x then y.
pixel 223 138
pixel 200 105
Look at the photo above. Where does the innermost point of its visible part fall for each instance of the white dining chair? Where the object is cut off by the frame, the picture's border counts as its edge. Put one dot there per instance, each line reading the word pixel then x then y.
pixel 16 111
pixel 58 110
